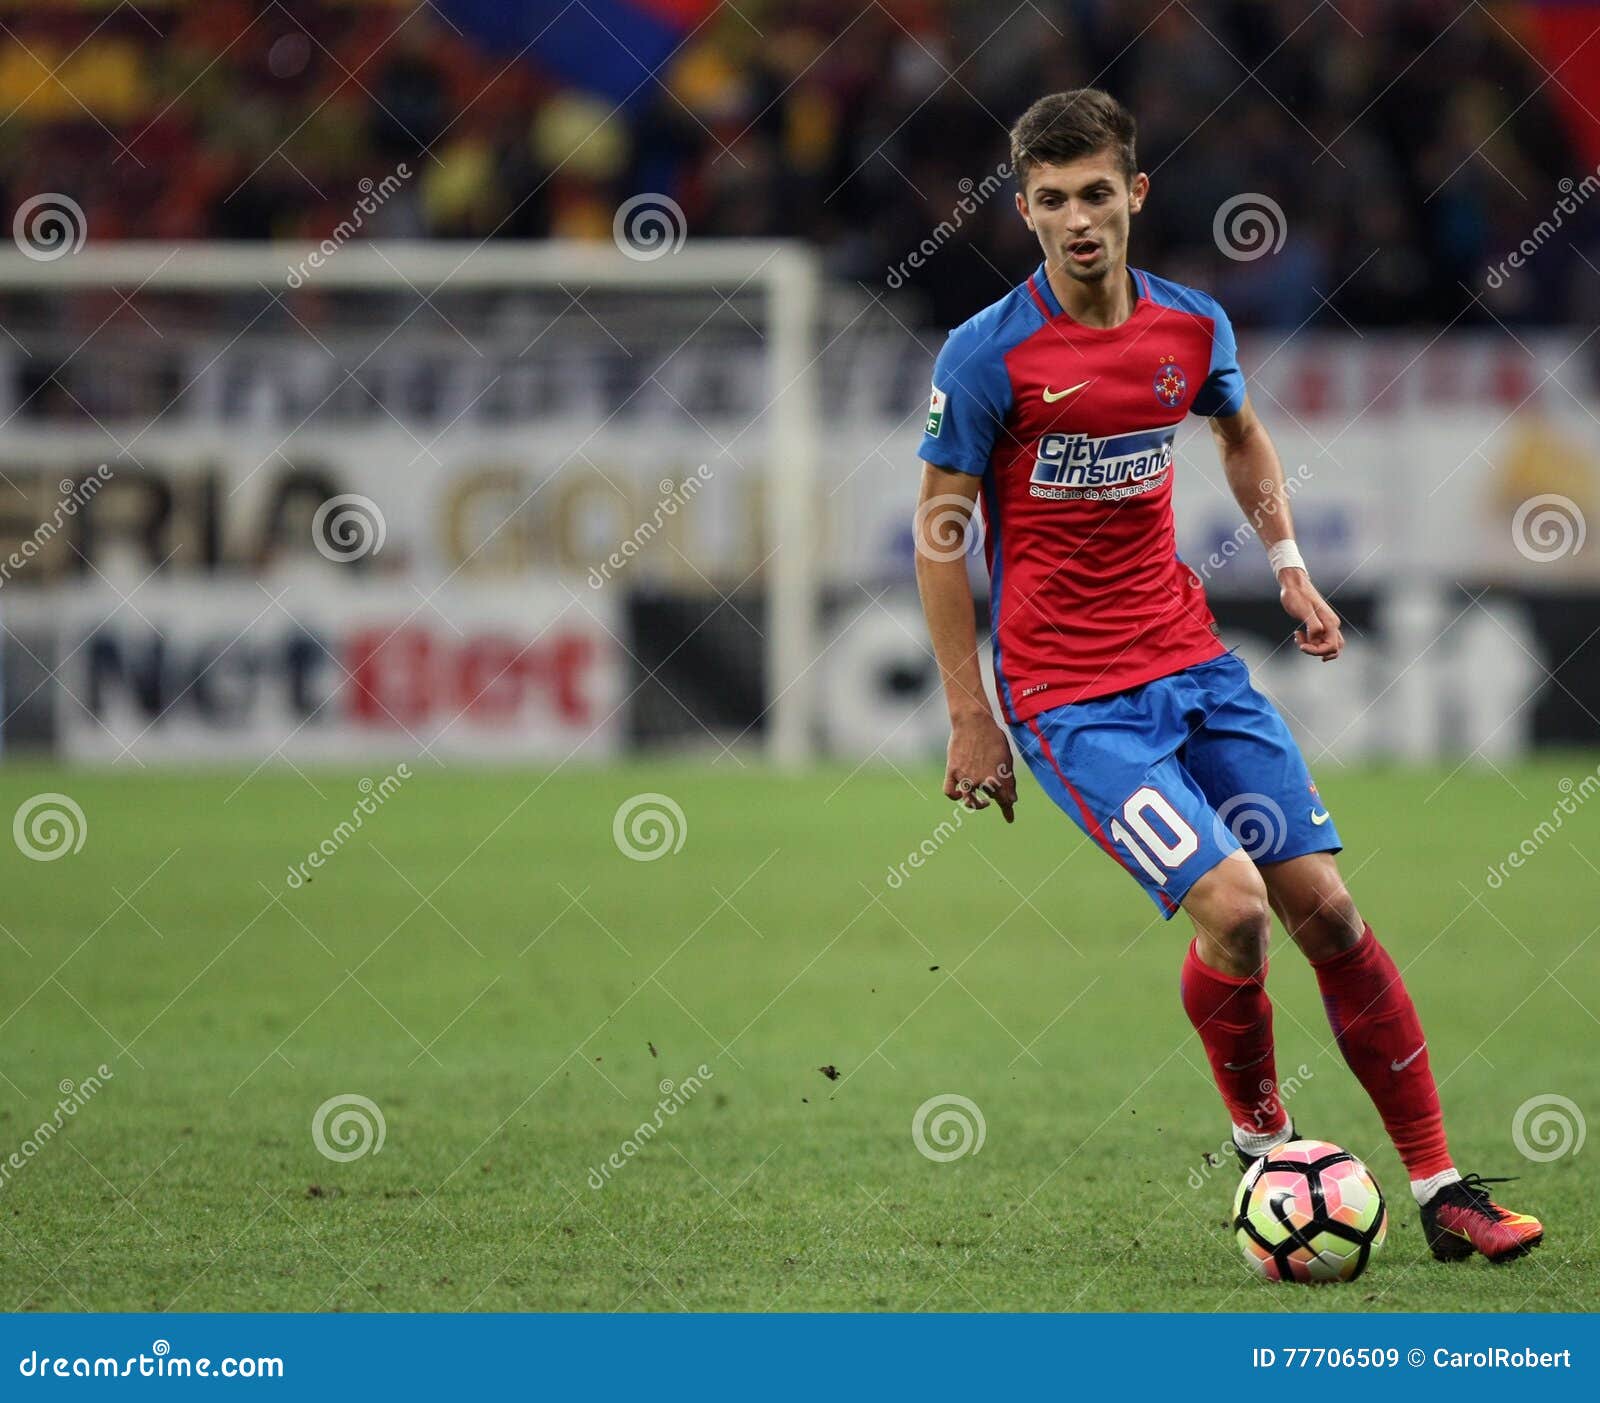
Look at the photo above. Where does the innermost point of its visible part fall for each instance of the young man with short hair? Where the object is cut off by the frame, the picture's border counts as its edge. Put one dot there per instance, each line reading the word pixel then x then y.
pixel 1059 405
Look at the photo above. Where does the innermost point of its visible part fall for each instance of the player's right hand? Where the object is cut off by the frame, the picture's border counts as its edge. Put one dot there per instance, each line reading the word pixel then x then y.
pixel 979 764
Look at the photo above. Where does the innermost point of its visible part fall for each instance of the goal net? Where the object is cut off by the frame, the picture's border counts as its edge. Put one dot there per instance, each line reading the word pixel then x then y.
pixel 509 500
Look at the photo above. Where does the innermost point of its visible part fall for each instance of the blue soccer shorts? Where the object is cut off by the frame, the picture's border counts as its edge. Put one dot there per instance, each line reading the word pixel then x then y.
pixel 1172 777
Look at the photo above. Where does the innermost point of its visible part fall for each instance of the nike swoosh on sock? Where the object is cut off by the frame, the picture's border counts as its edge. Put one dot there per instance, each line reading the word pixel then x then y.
pixel 1241 1066
pixel 1401 1066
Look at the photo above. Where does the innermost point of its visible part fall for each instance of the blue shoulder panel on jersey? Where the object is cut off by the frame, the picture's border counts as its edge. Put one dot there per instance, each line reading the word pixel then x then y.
pixel 1223 390
pixel 971 387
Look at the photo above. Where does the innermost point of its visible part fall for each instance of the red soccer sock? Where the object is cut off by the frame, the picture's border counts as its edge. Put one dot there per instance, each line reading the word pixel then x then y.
pixel 1378 1031
pixel 1234 1019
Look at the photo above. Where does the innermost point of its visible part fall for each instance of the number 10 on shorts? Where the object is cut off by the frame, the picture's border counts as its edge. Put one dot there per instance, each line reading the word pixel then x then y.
pixel 1159 856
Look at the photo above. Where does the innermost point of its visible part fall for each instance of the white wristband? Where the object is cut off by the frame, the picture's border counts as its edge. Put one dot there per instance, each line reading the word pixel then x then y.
pixel 1285 555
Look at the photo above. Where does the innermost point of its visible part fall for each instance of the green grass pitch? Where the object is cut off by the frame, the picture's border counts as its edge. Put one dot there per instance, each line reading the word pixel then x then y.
pixel 483 963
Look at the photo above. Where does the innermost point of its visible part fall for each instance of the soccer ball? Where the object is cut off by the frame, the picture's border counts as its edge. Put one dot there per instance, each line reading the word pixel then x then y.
pixel 1311 1212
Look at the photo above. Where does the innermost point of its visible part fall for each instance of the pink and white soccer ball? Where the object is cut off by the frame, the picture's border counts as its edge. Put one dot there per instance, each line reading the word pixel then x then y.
pixel 1311 1212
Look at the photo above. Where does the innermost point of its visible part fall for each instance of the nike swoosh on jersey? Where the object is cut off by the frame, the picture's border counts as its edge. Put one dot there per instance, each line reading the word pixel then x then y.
pixel 1320 819
pixel 1401 1066
pixel 1051 398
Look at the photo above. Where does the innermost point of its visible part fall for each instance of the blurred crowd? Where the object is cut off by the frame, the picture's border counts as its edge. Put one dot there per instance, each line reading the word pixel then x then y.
pixel 1408 144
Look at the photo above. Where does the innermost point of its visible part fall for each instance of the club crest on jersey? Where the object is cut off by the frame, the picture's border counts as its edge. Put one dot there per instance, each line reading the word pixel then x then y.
pixel 1170 383
pixel 1075 467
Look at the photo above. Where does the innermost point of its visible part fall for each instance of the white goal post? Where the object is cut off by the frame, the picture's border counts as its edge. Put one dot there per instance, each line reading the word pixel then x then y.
pixel 786 274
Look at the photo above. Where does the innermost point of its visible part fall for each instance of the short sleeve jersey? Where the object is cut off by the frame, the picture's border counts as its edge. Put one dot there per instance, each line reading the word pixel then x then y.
pixel 1071 428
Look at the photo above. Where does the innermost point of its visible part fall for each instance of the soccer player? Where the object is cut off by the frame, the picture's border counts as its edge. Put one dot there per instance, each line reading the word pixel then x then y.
pixel 1058 404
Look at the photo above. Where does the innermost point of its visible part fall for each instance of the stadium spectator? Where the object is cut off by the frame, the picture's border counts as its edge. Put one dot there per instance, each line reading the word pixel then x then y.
pixel 1408 149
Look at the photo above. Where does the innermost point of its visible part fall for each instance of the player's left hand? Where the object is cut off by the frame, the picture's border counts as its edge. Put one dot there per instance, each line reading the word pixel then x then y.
pixel 1319 635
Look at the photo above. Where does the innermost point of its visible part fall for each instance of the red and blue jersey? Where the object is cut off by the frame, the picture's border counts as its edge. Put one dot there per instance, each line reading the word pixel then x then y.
pixel 1071 428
